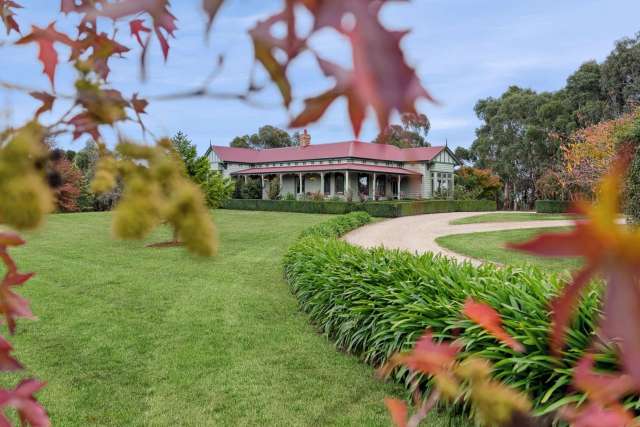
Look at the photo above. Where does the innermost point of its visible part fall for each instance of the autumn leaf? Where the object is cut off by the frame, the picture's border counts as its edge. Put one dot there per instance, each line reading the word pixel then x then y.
pixel 211 8
pixel 611 250
pixel 164 22
pixel 22 399
pixel 139 105
pixel 137 26
pixel 45 39
pixel 10 239
pixel 47 101
pixel 398 411
pixel 7 15
pixel 604 388
pixel 490 320
pixel 84 123
pixel 381 77
pixel 7 361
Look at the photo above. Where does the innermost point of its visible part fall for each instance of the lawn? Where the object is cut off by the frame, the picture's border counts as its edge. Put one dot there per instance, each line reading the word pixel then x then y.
pixel 134 336
pixel 508 217
pixel 490 246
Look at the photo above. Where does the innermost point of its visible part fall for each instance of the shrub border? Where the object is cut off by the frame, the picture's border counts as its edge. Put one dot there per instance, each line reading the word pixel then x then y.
pixel 552 206
pixel 388 209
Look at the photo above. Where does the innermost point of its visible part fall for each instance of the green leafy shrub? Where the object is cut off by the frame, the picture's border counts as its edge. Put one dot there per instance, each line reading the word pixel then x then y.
pixel 372 303
pixel 633 190
pixel 552 206
pixel 217 189
pixel 389 209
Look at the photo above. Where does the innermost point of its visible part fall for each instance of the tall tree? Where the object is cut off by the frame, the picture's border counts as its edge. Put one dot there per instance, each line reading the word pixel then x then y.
pixel 584 95
pixel 519 139
pixel 412 133
pixel 267 137
pixel 621 76
pixel 187 151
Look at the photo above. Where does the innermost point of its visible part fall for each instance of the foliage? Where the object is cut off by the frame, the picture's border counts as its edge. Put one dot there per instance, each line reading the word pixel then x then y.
pixel 217 189
pixel 187 152
pixel 633 190
pixel 375 302
pixel 267 137
pixel 249 189
pixel 519 140
pixel 68 182
pixel 552 206
pixel 552 186
pixel 389 209
pixel 476 183
pixel 274 189
pixel 412 133
pixel 464 155
pixel 620 81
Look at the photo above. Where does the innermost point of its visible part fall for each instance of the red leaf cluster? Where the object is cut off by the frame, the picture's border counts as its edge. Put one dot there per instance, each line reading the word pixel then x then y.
pixel 7 15
pixel 380 77
pixel 22 399
pixel 68 192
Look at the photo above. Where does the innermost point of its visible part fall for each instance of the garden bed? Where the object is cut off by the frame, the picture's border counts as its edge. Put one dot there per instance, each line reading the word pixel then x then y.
pixel 385 209
pixel 374 302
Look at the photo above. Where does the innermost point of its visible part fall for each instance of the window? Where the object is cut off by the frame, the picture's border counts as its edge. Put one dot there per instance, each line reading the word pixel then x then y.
pixel 327 184
pixel 442 184
pixel 339 183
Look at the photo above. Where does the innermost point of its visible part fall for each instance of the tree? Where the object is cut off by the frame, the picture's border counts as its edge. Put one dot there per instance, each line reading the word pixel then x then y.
pixel 412 133
pixel 621 77
pixel 519 139
pixel 187 152
pixel 217 189
pixel 68 181
pixel 267 137
pixel 584 94
pixel 474 183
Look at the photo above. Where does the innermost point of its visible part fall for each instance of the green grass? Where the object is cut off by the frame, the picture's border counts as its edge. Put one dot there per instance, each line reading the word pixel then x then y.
pixel 508 217
pixel 490 246
pixel 134 336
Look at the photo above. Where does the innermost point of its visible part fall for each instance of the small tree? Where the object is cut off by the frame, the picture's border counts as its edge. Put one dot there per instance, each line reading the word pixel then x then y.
pixel 252 189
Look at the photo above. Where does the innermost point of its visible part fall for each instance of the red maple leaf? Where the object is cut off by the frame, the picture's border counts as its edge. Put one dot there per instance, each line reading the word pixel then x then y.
pixel 7 361
pixel 7 15
pixel 47 101
pixel 380 78
pixel 139 105
pixel 490 320
pixel 84 123
pixel 610 249
pixel 23 400
pixel 398 410
pixel 45 38
pixel 137 26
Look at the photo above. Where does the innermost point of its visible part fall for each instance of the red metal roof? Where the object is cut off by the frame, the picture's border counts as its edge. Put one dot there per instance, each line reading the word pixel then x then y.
pixel 336 150
pixel 327 168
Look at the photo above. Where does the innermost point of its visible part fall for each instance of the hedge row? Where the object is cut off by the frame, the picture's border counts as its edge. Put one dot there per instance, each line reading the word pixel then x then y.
pixel 388 209
pixel 552 206
pixel 375 302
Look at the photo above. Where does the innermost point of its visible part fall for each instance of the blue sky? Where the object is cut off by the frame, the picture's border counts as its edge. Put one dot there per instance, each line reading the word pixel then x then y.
pixel 463 50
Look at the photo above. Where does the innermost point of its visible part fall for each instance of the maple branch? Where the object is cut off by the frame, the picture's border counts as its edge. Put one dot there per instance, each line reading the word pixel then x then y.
pixel 26 89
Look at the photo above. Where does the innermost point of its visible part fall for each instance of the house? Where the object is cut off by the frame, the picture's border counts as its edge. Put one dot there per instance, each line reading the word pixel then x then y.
pixel 351 169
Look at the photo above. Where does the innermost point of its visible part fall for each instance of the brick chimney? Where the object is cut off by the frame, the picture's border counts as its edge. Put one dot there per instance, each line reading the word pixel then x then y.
pixel 305 139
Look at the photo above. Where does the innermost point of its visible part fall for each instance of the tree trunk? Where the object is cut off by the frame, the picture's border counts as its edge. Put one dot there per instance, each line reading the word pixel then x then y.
pixel 506 202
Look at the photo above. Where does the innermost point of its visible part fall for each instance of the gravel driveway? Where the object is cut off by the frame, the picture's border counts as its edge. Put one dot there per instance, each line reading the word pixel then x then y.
pixel 419 233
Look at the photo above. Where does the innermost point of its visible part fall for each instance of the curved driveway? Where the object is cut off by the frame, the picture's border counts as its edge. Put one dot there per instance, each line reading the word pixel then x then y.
pixel 419 233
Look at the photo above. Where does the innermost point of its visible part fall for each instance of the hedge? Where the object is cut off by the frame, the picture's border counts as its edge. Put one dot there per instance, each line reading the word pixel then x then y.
pixel 552 206
pixel 374 302
pixel 388 209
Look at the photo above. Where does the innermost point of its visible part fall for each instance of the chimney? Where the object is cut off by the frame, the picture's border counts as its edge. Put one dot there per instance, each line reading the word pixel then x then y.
pixel 305 139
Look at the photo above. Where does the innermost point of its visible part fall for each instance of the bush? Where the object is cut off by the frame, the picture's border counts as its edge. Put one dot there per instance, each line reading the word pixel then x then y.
pixel 552 206
pixel 274 190
pixel 389 209
pixel 633 190
pixel 375 302
pixel 217 189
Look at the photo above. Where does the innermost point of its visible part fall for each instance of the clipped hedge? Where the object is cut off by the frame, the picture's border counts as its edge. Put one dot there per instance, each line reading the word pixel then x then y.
pixel 552 206
pixel 387 209
pixel 375 302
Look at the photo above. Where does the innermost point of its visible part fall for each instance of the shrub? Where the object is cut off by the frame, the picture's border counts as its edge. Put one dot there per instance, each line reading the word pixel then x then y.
pixel 375 302
pixel 389 209
pixel 217 189
pixel 252 189
pixel 552 206
pixel 633 190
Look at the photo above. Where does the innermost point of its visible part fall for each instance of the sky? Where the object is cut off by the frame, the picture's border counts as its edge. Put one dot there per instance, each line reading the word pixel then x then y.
pixel 463 50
